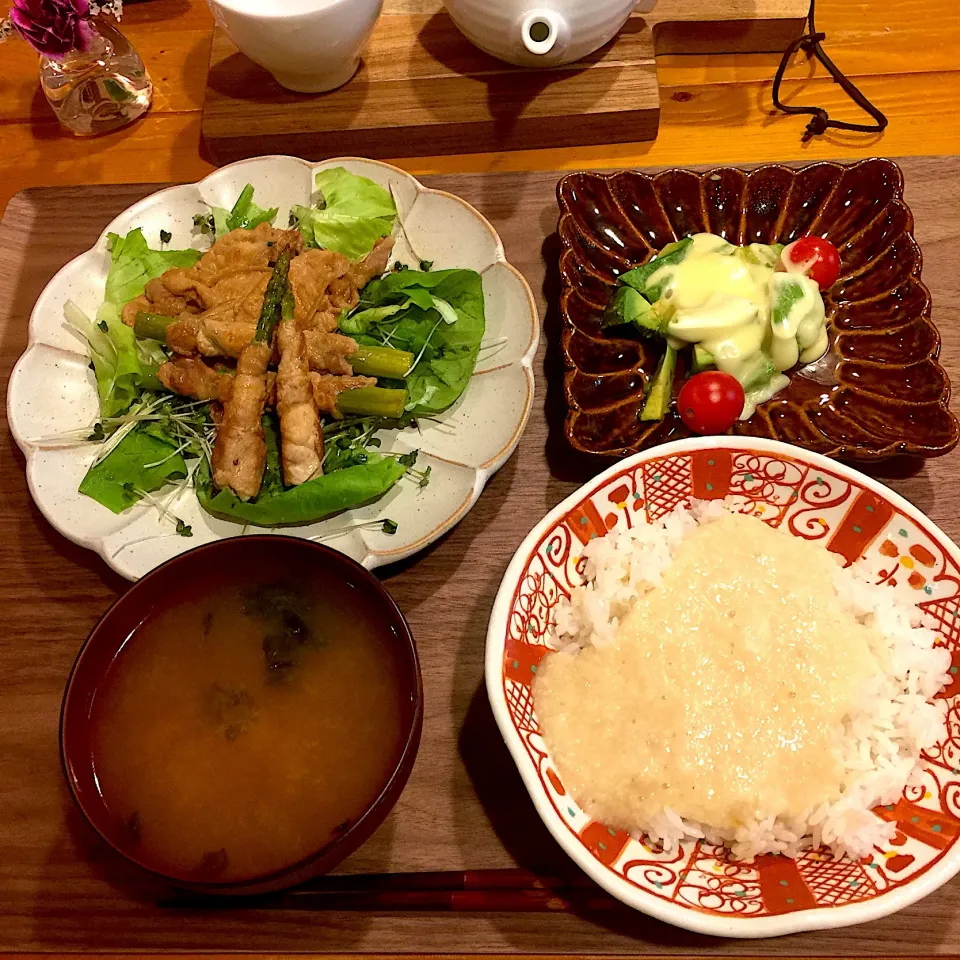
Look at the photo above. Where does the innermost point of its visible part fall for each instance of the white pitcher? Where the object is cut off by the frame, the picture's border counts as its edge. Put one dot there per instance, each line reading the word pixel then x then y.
pixel 308 45
pixel 540 33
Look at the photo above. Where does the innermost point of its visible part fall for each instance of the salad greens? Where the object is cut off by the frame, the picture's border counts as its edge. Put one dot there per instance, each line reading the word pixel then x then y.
pixel 134 264
pixel 640 277
pixel 438 317
pixel 146 448
pixel 420 331
pixel 352 214
pixel 351 485
pixel 144 461
pixel 736 307
pixel 243 215
pixel 123 366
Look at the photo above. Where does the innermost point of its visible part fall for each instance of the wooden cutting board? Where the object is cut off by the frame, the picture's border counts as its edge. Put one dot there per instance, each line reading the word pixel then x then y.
pixel 465 806
pixel 424 89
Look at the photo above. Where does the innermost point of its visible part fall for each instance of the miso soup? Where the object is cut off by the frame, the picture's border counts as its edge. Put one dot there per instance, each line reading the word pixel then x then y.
pixel 243 727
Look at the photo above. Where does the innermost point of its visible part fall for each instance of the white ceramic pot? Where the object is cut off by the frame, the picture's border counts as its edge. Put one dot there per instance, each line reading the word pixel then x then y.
pixel 308 45
pixel 539 33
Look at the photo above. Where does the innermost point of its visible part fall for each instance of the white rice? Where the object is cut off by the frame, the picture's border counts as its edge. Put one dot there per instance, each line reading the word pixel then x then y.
pixel 880 743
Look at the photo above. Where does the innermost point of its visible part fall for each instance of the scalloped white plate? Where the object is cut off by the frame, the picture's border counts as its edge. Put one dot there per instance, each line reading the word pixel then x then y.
pixel 52 391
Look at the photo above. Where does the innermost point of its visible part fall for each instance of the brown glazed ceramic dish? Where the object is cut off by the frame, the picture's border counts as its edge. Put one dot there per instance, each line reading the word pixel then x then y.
pixel 879 391
pixel 155 591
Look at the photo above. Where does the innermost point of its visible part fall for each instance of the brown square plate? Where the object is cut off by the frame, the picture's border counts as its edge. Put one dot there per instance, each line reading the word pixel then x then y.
pixel 879 391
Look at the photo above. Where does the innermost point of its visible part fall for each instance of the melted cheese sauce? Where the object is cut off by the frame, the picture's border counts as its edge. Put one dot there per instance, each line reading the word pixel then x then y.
pixel 723 694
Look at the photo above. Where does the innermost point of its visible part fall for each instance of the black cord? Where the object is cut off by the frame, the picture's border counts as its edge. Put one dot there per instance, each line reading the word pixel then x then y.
pixel 820 120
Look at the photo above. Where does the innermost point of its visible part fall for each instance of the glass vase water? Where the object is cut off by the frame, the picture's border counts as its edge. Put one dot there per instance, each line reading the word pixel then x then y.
pixel 99 89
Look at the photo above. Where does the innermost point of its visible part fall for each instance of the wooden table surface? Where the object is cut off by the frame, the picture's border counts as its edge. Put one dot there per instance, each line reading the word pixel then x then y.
pixel 903 54
pixel 465 806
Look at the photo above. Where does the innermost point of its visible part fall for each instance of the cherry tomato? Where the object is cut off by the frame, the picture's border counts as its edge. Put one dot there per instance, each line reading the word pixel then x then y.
pixel 815 257
pixel 710 402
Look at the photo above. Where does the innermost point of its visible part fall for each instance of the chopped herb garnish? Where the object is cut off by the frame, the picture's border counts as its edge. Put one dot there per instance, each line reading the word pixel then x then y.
pixel 399 267
pixel 426 265
pixel 390 527
pixel 102 326
pixel 408 459
pixel 98 433
pixel 183 529
pixel 425 478
pixel 203 223
pixel 165 236
pixel 269 243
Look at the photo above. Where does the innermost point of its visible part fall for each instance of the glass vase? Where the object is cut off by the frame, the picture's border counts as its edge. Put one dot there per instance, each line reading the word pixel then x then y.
pixel 99 89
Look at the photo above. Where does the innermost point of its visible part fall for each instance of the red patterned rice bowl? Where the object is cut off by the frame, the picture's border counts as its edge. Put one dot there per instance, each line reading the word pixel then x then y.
pixel 904 849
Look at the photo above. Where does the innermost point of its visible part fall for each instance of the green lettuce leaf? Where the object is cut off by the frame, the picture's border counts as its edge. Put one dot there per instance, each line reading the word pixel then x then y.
pixel 354 214
pixel 121 366
pixel 311 501
pixel 120 479
pixel 359 323
pixel 151 356
pixel 134 264
pixel 244 215
pixel 429 301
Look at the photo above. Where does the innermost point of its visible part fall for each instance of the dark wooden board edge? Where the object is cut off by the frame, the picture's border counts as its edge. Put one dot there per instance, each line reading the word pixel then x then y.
pixel 591 129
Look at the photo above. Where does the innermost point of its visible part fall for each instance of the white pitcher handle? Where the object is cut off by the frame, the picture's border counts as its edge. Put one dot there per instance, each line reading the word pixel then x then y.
pixel 540 31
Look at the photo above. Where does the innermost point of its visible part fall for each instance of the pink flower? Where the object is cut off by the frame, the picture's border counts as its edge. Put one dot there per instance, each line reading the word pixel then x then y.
pixel 53 27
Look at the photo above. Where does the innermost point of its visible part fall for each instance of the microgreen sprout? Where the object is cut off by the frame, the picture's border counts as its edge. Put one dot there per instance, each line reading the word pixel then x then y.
pixel 182 529
pixel 388 527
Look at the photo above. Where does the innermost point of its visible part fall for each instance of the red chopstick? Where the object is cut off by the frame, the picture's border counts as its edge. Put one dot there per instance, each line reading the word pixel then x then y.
pixel 510 878
pixel 501 891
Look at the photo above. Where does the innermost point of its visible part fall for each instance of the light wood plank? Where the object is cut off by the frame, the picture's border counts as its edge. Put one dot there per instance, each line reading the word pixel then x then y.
pixel 864 38
pixel 736 123
pixel 727 124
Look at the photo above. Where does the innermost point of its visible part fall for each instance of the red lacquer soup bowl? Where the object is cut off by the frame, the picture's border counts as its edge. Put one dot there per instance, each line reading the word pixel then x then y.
pixel 348 587
pixel 699 886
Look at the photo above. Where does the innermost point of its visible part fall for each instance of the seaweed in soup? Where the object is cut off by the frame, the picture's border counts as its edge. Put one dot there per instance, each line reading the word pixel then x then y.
pixel 283 611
